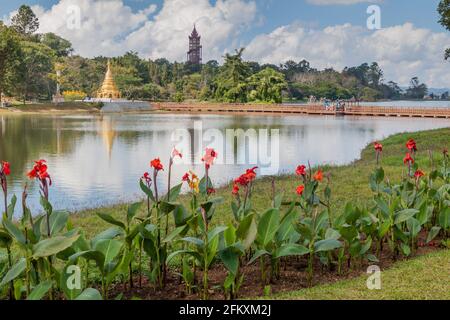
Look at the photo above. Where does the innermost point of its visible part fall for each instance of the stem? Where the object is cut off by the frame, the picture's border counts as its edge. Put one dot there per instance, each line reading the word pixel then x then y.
pixel 11 284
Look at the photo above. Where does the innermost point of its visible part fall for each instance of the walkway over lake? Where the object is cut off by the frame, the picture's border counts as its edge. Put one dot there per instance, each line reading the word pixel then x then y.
pixel 353 110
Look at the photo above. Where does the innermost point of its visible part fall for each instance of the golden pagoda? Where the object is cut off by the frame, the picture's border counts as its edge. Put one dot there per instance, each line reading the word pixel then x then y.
pixel 109 89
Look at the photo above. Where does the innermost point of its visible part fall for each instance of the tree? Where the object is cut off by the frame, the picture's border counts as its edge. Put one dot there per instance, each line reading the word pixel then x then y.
pixel 416 89
pixel 267 86
pixel 9 54
pixel 444 11
pixel 33 72
pixel 232 79
pixel 25 21
pixel 62 47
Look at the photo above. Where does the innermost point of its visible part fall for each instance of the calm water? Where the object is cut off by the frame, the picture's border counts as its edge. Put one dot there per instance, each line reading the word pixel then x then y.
pixel 98 160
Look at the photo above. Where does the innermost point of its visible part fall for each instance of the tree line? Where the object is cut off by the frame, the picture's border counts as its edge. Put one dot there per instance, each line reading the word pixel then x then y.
pixel 30 61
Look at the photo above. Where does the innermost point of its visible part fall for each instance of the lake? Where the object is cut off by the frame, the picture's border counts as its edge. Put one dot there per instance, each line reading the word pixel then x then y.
pixel 97 160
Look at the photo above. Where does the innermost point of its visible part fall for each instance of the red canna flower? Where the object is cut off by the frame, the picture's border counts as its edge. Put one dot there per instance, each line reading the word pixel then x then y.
pixel 209 157
pixel 211 191
pixel 5 169
pixel 419 174
pixel 300 190
pixel 156 164
pixel 40 172
pixel 185 177
pixel 248 177
pixel 318 176
pixel 301 170
pixel 146 177
pixel 445 152
pixel 411 145
pixel 408 159
pixel 235 189
pixel 378 147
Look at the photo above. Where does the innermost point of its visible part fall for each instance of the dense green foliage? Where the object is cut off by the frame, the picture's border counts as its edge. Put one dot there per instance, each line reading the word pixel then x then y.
pixel 444 12
pixel 30 63
pixel 40 252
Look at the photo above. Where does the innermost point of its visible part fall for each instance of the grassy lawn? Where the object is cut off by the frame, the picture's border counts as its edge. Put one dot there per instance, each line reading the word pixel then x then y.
pixel 423 278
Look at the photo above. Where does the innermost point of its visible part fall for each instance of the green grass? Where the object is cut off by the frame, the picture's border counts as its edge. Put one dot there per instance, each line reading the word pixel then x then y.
pixel 348 183
pixel 423 278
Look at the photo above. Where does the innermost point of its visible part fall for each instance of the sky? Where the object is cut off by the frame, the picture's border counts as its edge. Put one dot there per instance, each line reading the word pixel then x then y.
pixel 328 33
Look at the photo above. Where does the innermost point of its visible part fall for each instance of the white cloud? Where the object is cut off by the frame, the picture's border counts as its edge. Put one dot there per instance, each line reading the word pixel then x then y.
pixel 338 2
pixel 109 27
pixel 403 51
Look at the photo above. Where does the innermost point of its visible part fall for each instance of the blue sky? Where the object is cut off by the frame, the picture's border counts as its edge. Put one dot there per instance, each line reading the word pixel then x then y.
pixel 278 12
pixel 410 43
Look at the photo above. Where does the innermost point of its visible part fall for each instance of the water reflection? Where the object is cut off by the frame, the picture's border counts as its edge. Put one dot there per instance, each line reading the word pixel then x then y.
pixel 97 160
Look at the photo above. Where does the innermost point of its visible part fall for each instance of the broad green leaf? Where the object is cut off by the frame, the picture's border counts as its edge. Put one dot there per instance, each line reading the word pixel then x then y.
pixel 230 259
pixel 5 239
pixel 291 250
pixel 433 233
pixel 110 248
pixel 247 230
pixel 404 215
pixel 215 232
pixel 258 254
pixel 174 193
pixel 132 211
pixel 111 220
pixel 413 226
pixel 40 290
pixel 332 234
pixel 106 235
pixel 175 233
pixel 196 241
pixel 52 246
pixel 444 218
pixel 58 221
pixel 147 191
pixel 90 294
pixel 327 245
pixel 15 271
pixel 268 226
pixel 14 231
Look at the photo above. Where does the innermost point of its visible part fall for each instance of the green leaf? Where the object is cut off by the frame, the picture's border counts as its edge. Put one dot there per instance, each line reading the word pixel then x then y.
pixel 181 215
pixel 215 232
pixel 433 233
pixel 5 239
pixel 109 248
pixel 258 254
pixel 291 250
pixel 174 234
pixel 230 259
pixel 40 290
pixel 132 211
pixel 413 227
pixel 268 226
pixel 11 207
pixel 174 193
pixel 247 230
pixel 14 231
pixel 147 191
pixel 58 221
pixel 444 218
pixel 332 234
pixel 168 207
pixel 196 241
pixel 405 215
pixel 90 294
pixel 52 246
pixel 111 220
pixel 405 249
pixel 15 271
pixel 106 235
pixel 327 245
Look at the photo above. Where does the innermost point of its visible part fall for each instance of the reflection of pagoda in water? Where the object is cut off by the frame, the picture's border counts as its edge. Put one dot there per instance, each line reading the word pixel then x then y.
pixel 108 133
pixel 109 89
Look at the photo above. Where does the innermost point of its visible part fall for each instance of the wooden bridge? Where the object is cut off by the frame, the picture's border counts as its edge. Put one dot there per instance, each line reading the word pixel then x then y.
pixel 351 110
